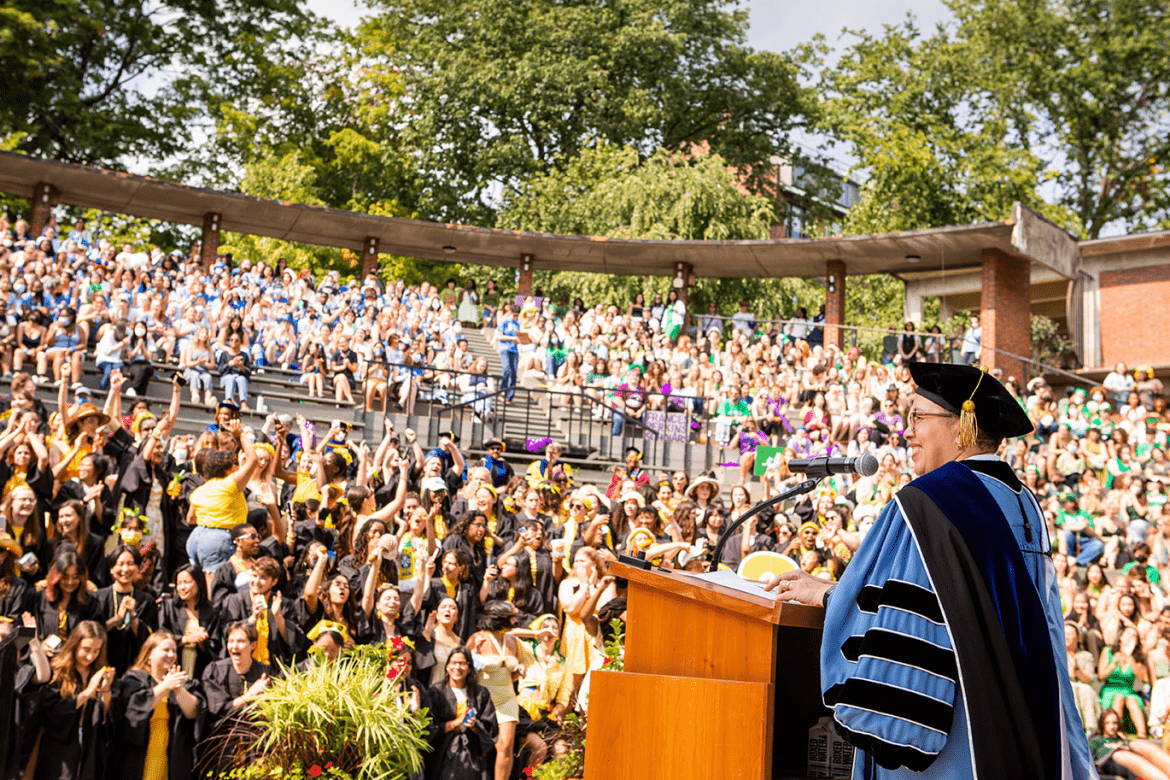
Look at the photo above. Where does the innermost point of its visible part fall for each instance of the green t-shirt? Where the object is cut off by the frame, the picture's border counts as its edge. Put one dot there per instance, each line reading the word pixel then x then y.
pixel 1152 573
pixel 491 299
pixel 1063 517
pixel 738 409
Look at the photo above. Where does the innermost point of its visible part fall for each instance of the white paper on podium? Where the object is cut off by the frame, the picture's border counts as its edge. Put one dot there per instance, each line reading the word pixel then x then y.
pixel 730 579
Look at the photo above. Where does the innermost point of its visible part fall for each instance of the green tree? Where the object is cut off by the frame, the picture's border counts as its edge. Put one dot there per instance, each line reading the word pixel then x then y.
pixel 1086 85
pixel 937 146
pixel 122 80
pixel 499 92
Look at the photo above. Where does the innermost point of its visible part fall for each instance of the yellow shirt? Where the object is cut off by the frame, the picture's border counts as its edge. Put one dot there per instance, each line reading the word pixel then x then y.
pixel 219 504
pixel 306 488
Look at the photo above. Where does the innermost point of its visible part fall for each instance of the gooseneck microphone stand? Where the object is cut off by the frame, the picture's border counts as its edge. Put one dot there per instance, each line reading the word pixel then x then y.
pixel 812 478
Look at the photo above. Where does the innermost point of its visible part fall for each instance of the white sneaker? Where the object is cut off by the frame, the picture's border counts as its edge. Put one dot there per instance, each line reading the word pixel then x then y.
pixel 130 392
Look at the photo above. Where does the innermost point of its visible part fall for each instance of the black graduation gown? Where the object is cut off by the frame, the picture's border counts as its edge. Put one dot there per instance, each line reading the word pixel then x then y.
pixel 223 584
pixel 73 741
pixel 545 580
pixel 308 531
pixel 461 754
pixel 48 617
pixel 124 643
pixel 40 481
pixel 466 596
pixel 478 568
pixel 222 684
pixel 17 600
pixel 25 725
pixel 238 606
pixel 529 606
pixel 133 707
pixel 95 559
pixel 172 616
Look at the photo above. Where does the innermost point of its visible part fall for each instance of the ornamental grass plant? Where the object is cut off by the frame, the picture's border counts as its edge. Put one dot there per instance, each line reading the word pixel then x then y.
pixel 346 719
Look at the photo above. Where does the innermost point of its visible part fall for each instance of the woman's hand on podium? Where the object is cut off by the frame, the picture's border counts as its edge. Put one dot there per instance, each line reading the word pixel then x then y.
pixel 800 587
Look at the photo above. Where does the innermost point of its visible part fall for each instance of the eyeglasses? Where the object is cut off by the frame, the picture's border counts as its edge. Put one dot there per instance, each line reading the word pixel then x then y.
pixel 576 506
pixel 915 417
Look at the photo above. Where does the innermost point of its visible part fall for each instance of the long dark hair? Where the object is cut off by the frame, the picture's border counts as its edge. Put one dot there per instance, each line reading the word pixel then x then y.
pixel 196 573
pixel 471 685
pixel 66 558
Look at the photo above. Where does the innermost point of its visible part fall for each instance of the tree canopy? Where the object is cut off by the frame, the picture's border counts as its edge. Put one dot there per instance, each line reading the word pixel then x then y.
pixel 499 92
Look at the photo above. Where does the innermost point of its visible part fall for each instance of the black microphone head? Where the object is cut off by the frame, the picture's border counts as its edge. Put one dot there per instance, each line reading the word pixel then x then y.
pixel 867 464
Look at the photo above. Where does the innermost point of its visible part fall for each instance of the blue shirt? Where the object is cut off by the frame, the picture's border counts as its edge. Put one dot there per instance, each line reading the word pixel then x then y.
pixel 509 328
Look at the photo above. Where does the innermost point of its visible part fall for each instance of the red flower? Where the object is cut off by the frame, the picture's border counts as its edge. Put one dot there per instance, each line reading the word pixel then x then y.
pixel 329 765
pixel 315 770
pixel 528 771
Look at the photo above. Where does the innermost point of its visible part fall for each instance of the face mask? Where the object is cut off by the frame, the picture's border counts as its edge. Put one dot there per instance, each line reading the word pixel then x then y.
pixel 19 289
pixel 1072 448
pixel 181 454
pixel 140 332
pixel 131 536
pixel 67 321
pixel 1098 398
pixel 341 436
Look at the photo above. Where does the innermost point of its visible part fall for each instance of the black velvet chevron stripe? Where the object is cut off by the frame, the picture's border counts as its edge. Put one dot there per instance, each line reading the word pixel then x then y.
pixel 902 649
pixel 893 702
pixel 901 595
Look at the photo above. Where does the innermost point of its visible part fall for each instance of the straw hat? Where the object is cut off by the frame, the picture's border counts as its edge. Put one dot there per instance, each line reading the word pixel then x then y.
pixel 86 411
pixel 714 483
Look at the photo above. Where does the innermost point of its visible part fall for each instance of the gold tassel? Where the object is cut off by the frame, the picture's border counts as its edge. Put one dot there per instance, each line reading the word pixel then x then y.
pixel 968 425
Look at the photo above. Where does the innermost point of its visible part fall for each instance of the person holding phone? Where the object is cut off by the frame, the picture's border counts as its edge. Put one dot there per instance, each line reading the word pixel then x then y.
pixel 154 736
pixel 463 728
pixel 129 614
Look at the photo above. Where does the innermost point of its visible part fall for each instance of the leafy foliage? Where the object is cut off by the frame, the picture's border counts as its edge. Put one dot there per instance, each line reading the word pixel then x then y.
pixel 1050 346
pixel 499 92
pixel 344 714
pixel 87 81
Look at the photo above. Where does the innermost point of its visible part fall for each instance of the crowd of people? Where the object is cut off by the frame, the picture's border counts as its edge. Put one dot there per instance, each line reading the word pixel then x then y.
pixel 172 578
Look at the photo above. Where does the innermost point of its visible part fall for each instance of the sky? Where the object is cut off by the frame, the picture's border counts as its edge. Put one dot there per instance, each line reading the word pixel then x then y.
pixel 776 25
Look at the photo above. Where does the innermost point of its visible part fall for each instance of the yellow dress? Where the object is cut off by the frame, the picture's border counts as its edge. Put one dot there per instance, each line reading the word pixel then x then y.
pixel 575 645
pixel 156 749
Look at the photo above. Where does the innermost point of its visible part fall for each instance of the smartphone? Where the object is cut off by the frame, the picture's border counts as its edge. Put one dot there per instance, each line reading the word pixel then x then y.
pixel 52 643
pixel 180 380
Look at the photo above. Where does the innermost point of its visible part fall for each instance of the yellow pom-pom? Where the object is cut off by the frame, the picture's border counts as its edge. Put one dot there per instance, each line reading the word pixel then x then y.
pixel 969 406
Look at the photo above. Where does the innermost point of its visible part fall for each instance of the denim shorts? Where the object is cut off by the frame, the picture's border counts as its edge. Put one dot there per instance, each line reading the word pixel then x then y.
pixel 209 548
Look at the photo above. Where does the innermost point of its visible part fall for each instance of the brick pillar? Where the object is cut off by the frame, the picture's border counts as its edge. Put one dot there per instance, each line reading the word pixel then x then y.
pixel 44 200
pixel 209 247
pixel 369 256
pixel 1006 313
pixel 524 283
pixel 835 303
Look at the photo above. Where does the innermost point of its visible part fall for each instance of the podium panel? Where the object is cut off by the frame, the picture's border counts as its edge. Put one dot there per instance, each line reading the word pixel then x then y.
pixel 718 683
pixel 681 728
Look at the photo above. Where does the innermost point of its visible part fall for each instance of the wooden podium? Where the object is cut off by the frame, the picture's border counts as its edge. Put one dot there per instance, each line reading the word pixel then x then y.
pixel 717 684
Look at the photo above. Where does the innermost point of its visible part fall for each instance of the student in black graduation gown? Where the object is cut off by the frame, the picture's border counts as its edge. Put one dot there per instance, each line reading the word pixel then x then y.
pixel 69 526
pixel 463 726
pixel 64 602
pixel 156 710
pixel 75 709
pixel 246 540
pixel 129 614
pixel 32 671
pixel 16 596
pixel 454 584
pixel 232 682
pixel 380 617
pixel 261 605
pixel 186 613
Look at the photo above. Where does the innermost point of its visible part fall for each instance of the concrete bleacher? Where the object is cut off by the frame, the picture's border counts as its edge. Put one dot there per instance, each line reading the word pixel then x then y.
pixel 590 448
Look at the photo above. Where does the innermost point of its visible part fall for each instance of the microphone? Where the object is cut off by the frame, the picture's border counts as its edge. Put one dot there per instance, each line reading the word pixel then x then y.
pixel 866 465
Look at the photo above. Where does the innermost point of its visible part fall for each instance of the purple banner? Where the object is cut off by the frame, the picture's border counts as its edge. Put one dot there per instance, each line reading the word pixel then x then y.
pixel 676 428
pixel 655 423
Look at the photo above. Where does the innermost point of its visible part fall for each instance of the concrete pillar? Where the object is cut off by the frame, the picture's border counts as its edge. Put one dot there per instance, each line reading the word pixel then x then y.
pixel 913 303
pixel 1006 313
pixel 835 303
pixel 524 283
pixel 684 279
pixel 209 247
pixel 45 198
pixel 369 256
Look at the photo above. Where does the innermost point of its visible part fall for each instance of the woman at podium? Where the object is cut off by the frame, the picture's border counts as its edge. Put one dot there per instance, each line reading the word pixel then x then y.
pixel 943 649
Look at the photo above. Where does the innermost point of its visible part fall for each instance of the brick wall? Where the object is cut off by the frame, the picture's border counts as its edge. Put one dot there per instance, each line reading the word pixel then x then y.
pixel 1006 313
pixel 835 304
pixel 1134 303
